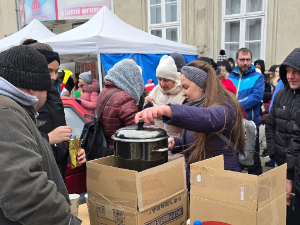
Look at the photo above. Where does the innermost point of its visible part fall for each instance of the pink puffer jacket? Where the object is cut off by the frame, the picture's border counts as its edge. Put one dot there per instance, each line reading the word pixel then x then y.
pixel 89 97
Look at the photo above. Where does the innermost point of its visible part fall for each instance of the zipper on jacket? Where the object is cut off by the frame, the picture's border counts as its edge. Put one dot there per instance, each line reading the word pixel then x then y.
pixel 243 99
pixel 237 91
pixel 289 117
pixel 290 112
pixel 36 115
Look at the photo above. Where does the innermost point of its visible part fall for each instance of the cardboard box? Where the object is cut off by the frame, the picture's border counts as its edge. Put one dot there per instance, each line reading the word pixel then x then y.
pixel 119 196
pixel 237 198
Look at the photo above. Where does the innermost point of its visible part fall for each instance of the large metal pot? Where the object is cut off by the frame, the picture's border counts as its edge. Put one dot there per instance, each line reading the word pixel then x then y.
pixel 141 147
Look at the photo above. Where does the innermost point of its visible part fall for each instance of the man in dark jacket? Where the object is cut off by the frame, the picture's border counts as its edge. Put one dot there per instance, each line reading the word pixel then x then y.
pixel 283 131
pixel 31 188
pixel 51 117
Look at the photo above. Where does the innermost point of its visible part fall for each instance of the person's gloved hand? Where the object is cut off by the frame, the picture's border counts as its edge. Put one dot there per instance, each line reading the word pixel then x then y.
pixel 78 100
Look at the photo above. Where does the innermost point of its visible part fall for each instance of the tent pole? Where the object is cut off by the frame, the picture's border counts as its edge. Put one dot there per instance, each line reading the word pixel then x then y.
pixel 99 70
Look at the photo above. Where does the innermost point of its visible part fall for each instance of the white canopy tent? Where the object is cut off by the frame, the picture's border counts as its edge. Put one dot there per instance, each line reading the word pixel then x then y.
pixel 35 30
pixel 107 33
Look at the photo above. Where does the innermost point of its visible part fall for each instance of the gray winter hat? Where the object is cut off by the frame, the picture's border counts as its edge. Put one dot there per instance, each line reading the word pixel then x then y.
pixel 86 76
pixel 25 67
pixel 179 60
pixel 195 74
pixel 127 76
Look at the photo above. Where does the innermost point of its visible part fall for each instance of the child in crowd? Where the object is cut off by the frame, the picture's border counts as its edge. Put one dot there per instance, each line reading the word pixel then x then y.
pixel 90 90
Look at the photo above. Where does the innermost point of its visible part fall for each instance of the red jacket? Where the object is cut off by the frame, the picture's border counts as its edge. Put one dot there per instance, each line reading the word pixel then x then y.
pixel 229 85
pixel 119 111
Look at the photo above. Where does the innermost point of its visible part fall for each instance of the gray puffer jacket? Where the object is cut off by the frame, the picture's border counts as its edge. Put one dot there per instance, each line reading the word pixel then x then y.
pixel 32 191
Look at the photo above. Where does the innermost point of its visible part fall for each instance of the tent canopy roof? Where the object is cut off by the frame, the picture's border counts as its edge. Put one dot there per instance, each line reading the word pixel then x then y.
pixel 35 30
pixel 107 33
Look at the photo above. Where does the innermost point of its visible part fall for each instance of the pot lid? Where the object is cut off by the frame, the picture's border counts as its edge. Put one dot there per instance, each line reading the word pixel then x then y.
pixel 140 133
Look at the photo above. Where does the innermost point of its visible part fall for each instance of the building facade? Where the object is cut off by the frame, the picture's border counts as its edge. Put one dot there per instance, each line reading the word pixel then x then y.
pixel 8 18
pixel 268 27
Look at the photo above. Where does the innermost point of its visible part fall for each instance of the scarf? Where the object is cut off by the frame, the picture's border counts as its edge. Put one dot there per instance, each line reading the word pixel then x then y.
pixel 197 103
pixel 9 90
pixel 173 91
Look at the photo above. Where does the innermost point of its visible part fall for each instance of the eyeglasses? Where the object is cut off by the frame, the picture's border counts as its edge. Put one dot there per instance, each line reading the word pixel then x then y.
pixel 243 60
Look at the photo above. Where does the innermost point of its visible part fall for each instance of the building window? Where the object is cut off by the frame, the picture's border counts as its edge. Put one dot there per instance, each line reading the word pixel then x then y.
pixel 164 19
pixel 243 26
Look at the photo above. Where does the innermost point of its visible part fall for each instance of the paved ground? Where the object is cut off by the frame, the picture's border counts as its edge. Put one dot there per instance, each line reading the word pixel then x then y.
pixel 263 161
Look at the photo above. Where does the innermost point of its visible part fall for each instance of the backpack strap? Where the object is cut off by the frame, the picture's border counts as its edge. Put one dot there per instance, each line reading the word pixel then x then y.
pixel 106 100
pixel 227 141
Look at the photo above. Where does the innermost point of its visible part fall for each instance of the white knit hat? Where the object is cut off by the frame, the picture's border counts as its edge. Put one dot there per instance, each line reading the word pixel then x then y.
pixel 167 68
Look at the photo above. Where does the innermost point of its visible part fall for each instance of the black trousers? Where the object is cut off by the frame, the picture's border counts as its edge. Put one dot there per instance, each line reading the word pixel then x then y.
pixel 293 211
pixel 256 168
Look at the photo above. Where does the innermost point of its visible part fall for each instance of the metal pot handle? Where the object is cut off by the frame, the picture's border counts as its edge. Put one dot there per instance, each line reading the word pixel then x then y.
pixel 140 125
pixel 115 148
pixel 160 150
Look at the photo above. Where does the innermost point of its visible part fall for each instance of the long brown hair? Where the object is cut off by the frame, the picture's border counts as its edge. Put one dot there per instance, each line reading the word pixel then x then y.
pixel 216 94
pixel 223 73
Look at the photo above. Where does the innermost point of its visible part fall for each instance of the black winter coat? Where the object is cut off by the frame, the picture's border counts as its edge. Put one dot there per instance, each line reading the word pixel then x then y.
pixel 283 124
pixel 280 124
pixel 283 131
pixel 51 116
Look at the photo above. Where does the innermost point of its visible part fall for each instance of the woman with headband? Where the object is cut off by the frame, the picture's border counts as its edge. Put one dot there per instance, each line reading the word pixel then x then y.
pixel 208 109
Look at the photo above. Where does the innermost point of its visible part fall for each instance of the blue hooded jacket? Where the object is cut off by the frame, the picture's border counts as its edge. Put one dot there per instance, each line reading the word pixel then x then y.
pixel 250 90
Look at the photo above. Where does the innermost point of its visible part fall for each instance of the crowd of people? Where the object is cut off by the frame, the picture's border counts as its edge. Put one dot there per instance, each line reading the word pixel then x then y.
pixel 194 102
